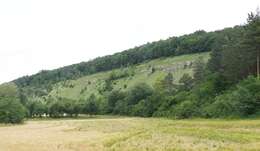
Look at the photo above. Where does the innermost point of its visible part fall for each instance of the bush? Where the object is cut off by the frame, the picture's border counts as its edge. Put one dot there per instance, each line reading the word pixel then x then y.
pixel 186 109
pixel 144 108
pixel 121 108
pixel 222 107
pixel 112 98
pixel 139 92
pixel 242 100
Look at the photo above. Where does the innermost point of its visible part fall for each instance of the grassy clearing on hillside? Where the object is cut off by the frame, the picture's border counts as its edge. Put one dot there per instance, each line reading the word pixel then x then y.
pixel 131 134
pixel 73 89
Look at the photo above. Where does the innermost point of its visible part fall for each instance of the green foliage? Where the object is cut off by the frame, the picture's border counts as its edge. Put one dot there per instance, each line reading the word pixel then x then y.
pixel 222 107
pixel 199 70
pixel 165 85
pixel 11 110
pixel 56 109
pixel 36 108
pixel 122 73
pixel 107 86
pixel 90 105
pixel 162 105
pixel 138 92
pixel 121 108
pixel 186 109
pixel 236 59
pixel 243 100
pixel 144 108
pixel 71 107
pixel 186 82
pixel 112 98
pixel 214 63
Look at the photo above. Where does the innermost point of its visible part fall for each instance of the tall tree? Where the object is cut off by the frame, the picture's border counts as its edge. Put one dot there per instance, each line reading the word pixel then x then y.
pixel 186 82
pixel 90 106
pixel 165 85
pixel 252 38
pixel 199 70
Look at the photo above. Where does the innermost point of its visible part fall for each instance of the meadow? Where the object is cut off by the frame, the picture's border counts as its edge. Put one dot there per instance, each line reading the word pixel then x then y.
pixel 131 134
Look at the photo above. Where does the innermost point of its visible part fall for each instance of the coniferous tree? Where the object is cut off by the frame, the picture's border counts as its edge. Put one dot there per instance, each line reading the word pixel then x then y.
pixel 199 70
pixel 252 38
pixel 186 82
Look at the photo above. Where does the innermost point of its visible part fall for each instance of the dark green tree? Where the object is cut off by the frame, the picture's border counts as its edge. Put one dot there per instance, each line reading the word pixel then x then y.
pixel 252 38
pixel 199 70
pixel 11 109
pixel 40 108
pixel 90 106
pixel 56 109
pixel 139 92
pixel 112 98
pixel 165 85
pixel 186 82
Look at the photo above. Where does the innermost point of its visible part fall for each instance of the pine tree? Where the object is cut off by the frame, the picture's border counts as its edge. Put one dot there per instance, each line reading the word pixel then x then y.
pixel 199 70
pixel 252 38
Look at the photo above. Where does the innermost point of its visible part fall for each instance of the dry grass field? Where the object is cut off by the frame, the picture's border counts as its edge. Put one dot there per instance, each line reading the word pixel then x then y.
pixel 131 134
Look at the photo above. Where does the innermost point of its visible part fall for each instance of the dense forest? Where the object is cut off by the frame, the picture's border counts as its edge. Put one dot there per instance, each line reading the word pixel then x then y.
pixel 228 85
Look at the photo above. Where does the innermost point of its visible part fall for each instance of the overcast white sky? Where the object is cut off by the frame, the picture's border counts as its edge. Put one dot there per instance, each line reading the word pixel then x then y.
pixel 47 34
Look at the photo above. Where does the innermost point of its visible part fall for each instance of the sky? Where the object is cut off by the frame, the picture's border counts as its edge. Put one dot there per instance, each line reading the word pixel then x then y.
pixel 47 34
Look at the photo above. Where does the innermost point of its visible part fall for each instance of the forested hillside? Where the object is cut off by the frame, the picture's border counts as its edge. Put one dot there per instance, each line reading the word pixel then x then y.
pixel 169 78
pixel 199 41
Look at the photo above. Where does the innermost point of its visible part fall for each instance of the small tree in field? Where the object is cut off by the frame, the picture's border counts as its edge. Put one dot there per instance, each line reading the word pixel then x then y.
pixel 11 110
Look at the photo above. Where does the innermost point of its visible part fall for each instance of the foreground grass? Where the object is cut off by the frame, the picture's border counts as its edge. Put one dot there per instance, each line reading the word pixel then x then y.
pixel 131 134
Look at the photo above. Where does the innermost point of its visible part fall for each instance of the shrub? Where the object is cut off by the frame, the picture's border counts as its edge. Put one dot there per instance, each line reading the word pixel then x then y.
pixel 144 108
pixel 121 108
pixel 222 107
pixel 186 109
pixel 138 92
pixel 242 100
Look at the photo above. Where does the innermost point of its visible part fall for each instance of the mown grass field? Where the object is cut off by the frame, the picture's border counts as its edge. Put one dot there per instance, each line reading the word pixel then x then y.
pixel 131 134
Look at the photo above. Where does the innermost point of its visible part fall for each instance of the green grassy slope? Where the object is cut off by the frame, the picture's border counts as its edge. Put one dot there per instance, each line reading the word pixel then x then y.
pixel 83 87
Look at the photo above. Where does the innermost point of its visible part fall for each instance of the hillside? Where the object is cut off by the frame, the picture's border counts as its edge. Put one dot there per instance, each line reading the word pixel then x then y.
pixel 83 87
pixel 203 74
pixel 197 42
